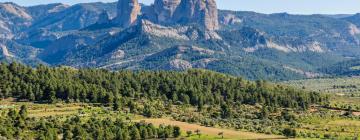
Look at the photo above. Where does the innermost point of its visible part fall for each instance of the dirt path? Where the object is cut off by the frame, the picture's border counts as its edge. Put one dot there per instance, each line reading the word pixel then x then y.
pixel 228 133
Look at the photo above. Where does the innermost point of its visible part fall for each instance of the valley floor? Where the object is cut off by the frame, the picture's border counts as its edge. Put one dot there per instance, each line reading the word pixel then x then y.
pixel 211 132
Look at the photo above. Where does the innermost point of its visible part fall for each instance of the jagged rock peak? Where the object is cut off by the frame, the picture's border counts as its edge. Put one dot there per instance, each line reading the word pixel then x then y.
pixel 170 12
pixel 127 12
pixel 203 12
pixel 165 9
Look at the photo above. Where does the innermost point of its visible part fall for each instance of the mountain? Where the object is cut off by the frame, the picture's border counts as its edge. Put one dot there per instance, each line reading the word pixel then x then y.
pixel 13 18
pixel 152 46
pixel 46 30
pixel 355 19
pixel 42 11
pixel 11 51
pixel 298 32
pixel 178 35
pixel 338 15
pixel 74 17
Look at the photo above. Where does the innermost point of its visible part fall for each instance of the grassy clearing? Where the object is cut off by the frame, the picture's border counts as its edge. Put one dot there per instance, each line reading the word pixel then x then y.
pixel 211 133
pixel 345 92
pixel 44 110
pixel 326 124
pixel 340 86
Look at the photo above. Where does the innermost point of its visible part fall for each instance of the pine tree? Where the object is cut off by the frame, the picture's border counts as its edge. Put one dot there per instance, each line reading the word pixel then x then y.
pixel 188 133
pixel 78 133
pixel 117 104
pixel 23 112
pixel 125 134
pixel 67 135
pixel 264 112
pixel 52 97
pixel 177 131
pixel 135 134
pixel 148 111
pixel 225 111
pixel 144 133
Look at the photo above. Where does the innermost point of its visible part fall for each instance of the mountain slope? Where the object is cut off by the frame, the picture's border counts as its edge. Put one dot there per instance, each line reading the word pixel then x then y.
pixel 11 51
pixel 13 18
pixel 164 36
pixel 299 33
pixel 42 11
pixel 355 19
pixel 74 17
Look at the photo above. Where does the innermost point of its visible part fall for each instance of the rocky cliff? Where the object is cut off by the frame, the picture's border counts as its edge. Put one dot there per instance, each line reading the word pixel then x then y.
pixel 165 10
pixel 202 12
pixel 127 12
pixel 171 12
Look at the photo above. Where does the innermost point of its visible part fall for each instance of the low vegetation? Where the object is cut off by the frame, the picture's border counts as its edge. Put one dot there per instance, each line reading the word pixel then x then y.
pixel 344 91
pixel 17 125
pixel 345 86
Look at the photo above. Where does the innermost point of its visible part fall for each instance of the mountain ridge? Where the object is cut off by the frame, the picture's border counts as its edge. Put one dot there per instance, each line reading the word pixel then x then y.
pixel 249 44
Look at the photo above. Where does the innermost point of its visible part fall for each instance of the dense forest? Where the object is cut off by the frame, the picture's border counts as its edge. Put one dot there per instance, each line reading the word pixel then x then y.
pixel 194 87
pixel 344 68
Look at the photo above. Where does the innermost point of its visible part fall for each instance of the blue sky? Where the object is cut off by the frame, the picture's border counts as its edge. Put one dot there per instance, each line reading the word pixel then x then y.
pixel 262 6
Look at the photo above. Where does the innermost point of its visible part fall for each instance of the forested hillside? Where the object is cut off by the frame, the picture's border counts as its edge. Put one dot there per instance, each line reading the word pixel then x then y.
pixel 193 96
pixel 345 68
pixel 195 87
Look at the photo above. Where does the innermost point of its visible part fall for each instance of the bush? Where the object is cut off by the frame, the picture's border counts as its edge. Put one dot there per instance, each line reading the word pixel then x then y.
pixel 289 132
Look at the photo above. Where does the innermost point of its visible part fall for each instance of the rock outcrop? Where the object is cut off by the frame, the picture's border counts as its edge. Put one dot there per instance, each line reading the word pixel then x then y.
pixel 179 64
pixel 165 10
pixel 171 12
pixel 230 19
pixel 202 12
pixel 127 12
pixel 5 51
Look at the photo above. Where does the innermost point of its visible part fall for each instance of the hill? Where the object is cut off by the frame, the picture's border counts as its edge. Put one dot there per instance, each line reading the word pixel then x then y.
pixel 194 96
pixel 215 96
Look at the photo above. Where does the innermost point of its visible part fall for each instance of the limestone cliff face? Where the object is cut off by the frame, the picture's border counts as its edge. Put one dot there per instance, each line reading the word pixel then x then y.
pixel 165 9
pixel 202 12
pixel 170 12
pixel 127 12
pixel 5 51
